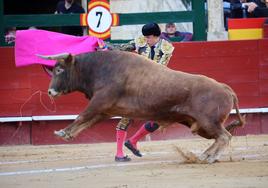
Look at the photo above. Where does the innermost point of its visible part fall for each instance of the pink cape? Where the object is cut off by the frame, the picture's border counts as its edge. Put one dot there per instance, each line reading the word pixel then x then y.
pixel 31 42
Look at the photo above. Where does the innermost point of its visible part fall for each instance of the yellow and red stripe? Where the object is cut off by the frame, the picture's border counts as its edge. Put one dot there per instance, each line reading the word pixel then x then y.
pixel 245 28
pixel 83 20
pixel 115 18
pixel 94 3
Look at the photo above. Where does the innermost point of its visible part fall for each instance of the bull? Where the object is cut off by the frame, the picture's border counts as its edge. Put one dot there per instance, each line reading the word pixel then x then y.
pixel 125 84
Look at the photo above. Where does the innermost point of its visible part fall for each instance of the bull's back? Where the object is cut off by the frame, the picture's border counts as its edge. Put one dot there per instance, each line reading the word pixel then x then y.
pixel 149 80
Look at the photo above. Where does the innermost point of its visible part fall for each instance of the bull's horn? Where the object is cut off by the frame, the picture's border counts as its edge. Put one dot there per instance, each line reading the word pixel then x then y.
pixel 54 57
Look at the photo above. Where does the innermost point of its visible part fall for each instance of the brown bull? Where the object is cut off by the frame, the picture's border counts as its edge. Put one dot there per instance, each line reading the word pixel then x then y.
pixel 129 85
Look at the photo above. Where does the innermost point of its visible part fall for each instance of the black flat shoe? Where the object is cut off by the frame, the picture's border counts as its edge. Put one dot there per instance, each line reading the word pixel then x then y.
pixel 132 149
pixel 122 159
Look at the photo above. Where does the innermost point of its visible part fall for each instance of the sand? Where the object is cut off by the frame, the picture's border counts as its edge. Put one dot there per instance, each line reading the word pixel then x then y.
pixel 165 164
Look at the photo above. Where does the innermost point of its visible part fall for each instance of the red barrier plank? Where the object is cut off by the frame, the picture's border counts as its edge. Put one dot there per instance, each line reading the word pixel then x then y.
pixel 246 89
pixel 245 76
pixel 235 64
pixel 263 44
pixel 264 87
pixel 14 79
pixel 249 101
pixel 59 109
pixel 263 101
pixel 7 57
pixel 14 96
pixel 264 72
pixel 9 110
pixel 216 49
pixel 15 134
pixel 263 51
pixel 252 126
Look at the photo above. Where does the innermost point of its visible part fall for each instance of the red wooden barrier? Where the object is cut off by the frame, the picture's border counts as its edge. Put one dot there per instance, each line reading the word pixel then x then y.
pixel 241 64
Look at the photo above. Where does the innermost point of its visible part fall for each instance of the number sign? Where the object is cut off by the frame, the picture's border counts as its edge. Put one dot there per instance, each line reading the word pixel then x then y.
pixel 99 19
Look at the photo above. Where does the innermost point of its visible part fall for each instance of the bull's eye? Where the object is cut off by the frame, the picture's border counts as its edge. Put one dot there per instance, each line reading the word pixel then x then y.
pixel 59 71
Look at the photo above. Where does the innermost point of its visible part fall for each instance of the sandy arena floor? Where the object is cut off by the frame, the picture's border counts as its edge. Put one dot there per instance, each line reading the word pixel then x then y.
pixel 244 164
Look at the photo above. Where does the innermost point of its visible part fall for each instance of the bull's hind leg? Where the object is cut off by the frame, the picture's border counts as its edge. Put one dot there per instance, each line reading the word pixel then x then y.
pixel 213 153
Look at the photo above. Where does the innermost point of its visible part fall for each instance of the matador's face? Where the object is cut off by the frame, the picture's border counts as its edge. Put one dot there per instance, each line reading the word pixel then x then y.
pixel 151 40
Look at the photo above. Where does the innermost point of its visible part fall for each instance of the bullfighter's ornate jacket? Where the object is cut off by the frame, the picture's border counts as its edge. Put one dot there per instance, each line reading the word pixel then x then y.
pixel 163 49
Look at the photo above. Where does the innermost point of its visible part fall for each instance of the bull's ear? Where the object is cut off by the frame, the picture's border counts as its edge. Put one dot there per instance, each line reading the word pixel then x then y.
pixel 70 59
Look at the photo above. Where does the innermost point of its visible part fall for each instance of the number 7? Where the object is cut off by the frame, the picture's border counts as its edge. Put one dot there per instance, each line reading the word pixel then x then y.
pixel 99 13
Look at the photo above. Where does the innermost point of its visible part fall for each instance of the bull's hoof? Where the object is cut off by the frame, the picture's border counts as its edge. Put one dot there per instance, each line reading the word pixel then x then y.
pixel 211 160
pixel 207 159
pixel 62 134
pixel 203 157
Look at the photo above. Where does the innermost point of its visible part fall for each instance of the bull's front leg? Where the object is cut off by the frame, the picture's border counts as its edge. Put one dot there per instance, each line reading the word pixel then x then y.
pixel 81 123
pixel 101 102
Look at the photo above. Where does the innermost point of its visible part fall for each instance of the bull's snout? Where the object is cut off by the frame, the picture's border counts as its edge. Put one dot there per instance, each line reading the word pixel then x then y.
pixel 52 93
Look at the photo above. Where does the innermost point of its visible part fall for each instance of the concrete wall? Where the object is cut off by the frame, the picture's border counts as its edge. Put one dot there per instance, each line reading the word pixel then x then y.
pixel 139 6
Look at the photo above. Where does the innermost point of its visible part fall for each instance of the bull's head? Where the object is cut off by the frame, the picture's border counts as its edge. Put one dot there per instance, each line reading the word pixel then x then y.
pixel 61 74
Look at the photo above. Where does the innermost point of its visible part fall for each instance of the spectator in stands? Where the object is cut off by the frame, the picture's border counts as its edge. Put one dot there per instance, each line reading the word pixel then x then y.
pixel 239 7
pixel 10 35
pixel 226 12
pixel 172 34
pixel 70 7
pixel 256 10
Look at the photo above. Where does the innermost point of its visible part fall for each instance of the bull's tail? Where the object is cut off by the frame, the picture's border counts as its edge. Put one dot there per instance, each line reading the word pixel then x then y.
pixel 241 119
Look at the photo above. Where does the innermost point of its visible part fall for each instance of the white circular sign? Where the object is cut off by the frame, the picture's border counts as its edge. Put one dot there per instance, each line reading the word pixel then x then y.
pixel 99 19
